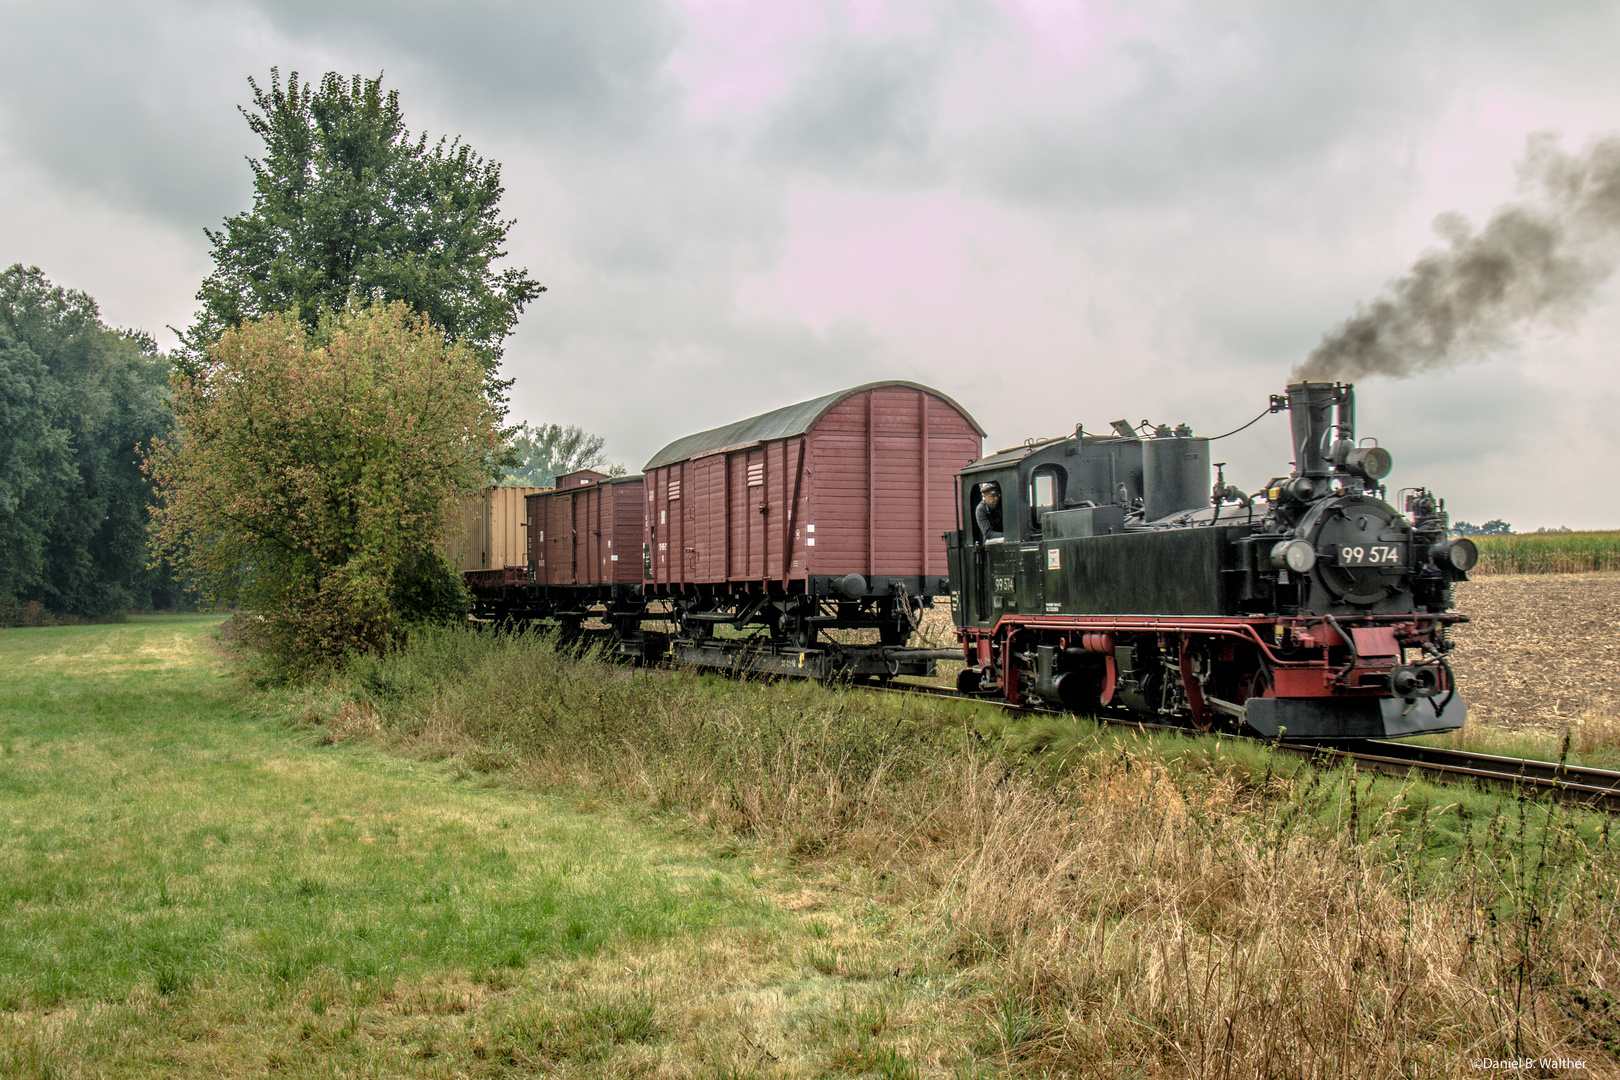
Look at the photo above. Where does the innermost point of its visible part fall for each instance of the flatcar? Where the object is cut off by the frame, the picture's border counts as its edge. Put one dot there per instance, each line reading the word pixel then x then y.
pixel 1115 574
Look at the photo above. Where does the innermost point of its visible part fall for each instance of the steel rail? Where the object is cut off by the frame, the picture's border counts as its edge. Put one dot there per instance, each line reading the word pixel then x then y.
pixel 1597 789
pixel 1593 788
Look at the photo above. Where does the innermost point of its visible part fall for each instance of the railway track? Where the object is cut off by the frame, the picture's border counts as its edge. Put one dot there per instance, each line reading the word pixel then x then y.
pixel 1596 789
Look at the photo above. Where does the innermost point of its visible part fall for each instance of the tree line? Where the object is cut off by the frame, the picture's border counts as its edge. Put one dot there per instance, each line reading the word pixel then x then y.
pixel 77 400
pixel 302 453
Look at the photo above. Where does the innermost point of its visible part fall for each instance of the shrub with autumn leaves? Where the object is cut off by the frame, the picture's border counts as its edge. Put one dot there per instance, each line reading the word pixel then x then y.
pixel 312 478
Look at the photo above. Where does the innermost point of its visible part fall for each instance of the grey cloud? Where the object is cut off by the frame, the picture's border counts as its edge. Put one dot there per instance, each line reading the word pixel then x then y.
pixel 123 103
pixel 137 103
pixel 858 109
pixel 595 70
pixel 1233 103
pixel 643 367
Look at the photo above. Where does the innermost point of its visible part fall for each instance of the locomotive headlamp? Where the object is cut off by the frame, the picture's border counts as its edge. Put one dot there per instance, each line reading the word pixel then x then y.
pixel 1459 553
pixel 1295 555
pixel 1373 462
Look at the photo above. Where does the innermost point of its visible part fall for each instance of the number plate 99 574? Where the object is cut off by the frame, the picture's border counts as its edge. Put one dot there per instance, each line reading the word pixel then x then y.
pixel 1372 555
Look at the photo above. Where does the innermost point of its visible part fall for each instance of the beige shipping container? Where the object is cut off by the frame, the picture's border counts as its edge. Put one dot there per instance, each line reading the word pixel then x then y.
pixel 495 533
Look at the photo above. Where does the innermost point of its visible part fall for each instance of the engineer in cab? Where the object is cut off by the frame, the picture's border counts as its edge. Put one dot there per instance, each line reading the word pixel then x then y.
pixel 987 515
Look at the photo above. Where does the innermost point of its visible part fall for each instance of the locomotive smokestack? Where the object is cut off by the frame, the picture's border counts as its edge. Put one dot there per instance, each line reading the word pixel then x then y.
pixel 1541 256
pixel 1311 416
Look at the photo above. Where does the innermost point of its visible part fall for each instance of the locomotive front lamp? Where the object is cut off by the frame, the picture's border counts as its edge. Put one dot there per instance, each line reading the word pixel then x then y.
pixel 1295 555
pixel 1459 553
pixel 1372 462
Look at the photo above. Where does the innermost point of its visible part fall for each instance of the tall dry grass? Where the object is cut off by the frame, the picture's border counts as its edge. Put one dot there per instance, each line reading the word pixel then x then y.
pixel 1548 553
pixel 1142 928
pixel 1108 911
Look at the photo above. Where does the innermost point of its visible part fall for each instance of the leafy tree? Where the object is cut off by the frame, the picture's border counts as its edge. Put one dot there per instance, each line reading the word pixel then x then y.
pixel 1494 527
pixel 76 399
pixel 314 478
pixel 346 203
pixel 551 450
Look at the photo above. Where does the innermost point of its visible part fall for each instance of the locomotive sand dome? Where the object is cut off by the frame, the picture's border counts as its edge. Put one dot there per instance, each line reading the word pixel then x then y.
pixel 1312 609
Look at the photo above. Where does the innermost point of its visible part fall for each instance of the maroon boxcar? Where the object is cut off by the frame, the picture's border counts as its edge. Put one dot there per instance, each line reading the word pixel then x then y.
pixel 587 531
pixel 841 499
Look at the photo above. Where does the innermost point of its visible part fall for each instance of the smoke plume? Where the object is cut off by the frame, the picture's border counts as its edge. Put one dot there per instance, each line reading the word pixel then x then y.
pixel 1538 258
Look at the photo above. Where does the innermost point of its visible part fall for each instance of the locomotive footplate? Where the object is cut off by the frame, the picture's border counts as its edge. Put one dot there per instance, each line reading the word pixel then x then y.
pixel 875 662
pixel 1334 718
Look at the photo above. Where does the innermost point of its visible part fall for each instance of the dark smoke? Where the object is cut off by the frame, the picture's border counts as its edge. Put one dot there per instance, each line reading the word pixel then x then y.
pixel 1538 258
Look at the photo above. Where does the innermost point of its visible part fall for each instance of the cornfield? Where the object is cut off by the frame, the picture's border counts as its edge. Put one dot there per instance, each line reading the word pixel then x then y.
pixel 1548 553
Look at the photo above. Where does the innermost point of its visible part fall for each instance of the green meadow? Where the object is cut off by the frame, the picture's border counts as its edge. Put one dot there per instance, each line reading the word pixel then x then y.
pixel 184 884
pixel 493 855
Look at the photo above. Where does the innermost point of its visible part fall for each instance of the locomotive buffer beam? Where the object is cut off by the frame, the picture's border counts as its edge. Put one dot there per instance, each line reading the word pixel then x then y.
pixel 1337 718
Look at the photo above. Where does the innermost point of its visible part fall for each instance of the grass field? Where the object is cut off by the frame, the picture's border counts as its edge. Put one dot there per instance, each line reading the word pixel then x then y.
pixel 1548 553
pixel 187 889
pixel 1083 900
pixel 484 856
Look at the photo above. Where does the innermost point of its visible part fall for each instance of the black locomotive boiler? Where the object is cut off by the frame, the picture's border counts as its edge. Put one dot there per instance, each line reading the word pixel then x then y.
pixel 1124 578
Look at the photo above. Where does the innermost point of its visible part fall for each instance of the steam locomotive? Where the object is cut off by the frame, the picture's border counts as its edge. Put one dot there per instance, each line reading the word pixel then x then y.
pixel 1124 578
pixel 1119 576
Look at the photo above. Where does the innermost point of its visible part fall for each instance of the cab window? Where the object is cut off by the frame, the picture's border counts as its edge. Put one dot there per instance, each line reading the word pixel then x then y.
pixel 1045 493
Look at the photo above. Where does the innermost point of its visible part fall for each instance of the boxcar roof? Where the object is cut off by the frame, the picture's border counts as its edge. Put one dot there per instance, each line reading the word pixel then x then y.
pixel 781 423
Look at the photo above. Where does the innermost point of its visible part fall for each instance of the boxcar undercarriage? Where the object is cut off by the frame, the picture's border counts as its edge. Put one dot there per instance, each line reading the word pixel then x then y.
pixel 765 630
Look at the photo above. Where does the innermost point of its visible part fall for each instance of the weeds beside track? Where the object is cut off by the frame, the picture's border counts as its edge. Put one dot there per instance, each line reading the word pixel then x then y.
pixel 1093 899
pixel 1586 787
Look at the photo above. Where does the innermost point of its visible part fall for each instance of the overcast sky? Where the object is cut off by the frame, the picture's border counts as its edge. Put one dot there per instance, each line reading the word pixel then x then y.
pixel 1057 213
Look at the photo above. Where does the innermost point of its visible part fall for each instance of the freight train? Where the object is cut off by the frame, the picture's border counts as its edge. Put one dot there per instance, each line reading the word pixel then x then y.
pixel 1090 572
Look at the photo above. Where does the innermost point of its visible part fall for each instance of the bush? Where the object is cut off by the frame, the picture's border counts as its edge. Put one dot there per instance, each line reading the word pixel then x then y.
pixel 312 479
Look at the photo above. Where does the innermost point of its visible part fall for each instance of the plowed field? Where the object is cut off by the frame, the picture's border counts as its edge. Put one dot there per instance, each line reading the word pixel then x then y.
pixel 1542 649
